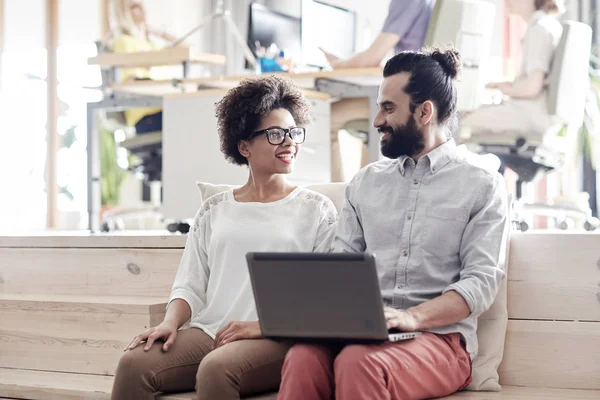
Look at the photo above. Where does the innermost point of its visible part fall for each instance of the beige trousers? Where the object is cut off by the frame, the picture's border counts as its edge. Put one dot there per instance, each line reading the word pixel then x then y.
pixel 238 369
pixel 348 153
pixel 512 118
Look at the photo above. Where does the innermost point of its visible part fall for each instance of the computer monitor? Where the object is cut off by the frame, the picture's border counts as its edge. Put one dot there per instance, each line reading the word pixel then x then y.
pixel 266 26
pixel 330 27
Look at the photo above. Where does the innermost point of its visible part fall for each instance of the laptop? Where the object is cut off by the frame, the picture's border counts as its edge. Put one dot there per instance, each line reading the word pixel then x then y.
pixel 319 296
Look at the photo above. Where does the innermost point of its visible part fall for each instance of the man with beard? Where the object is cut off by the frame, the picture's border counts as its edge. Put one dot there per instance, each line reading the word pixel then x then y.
pixel 438 226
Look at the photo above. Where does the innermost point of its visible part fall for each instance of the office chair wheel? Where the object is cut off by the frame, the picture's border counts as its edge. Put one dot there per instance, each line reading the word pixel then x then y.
pixel 182 227
pixel 524 226
pixel 565 224
pixel 591 224
pixel 521 145
pixel 112 225
pixel 173 227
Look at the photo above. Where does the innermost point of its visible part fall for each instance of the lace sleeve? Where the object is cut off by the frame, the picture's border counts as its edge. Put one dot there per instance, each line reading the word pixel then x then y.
pixel 326 230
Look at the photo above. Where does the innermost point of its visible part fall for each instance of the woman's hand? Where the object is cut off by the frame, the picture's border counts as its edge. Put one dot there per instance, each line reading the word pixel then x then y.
pixel 167 331
pixel 400 319
pixel 237 330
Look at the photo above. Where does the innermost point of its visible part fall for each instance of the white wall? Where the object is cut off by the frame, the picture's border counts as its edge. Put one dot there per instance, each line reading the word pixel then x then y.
pixel 79 21
pixel 24 24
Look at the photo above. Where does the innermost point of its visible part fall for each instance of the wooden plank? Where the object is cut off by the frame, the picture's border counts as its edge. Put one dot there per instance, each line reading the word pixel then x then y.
pixel 552 354
pixel 340 73
pixel 168 90
pixel 554 276
pixel 525 393
pixel 177 93
pixel 89 272
pixel 192 396
pixel 40 385
pixel 52 137
pixel 168 56
pixel 82 337
pixel 50 353
pixel 81 239
pixel 82 303
pixel 306 80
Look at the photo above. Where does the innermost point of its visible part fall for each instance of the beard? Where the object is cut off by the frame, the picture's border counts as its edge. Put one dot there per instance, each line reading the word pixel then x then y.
pixel 404 140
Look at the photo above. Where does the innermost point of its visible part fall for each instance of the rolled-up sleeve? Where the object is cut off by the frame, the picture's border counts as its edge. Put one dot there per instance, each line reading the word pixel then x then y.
pixel 349 235
pixel 193 272
pixel 483 248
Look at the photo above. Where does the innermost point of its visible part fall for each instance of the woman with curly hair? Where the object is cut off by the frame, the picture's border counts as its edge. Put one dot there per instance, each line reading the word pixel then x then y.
pixel 210 338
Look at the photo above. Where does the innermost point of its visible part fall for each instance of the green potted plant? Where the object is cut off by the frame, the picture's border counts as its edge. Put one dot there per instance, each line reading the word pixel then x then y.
pixel 112 175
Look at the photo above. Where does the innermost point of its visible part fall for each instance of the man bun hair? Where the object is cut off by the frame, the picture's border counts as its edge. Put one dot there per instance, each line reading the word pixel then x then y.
pixel 449 59
pixel 432 74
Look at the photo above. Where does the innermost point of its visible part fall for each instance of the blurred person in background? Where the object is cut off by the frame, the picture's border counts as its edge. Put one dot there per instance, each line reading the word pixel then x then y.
pixel 524 111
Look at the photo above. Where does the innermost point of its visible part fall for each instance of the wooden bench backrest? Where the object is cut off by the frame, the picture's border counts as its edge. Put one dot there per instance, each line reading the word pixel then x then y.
pixel 553 337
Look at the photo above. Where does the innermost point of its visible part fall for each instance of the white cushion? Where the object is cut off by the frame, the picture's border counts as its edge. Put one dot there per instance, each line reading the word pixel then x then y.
pixel 208 189
pixel 491 334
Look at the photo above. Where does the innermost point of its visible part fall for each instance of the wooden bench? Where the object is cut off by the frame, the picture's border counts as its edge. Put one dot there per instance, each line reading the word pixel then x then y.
pixel 70 303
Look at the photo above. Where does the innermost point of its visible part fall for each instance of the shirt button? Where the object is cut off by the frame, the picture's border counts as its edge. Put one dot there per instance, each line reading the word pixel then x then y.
pixel 400 286
pixel 409 217
pixel 416 182
pixel 405 253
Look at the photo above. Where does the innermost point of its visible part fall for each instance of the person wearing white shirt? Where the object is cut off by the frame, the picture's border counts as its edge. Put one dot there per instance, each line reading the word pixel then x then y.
pixel 524 113
pixel 210 339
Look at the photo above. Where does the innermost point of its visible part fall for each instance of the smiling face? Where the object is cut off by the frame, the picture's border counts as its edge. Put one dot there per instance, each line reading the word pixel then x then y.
pixel 265 158
pixel 401 134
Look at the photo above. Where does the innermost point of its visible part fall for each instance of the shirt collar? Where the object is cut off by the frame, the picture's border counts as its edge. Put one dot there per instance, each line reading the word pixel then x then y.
pixel 438 157
pixel 402 163
pixel 441 155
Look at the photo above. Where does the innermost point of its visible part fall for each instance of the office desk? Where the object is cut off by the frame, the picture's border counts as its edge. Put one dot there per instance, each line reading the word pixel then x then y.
pixel 169 56
pixel 342 83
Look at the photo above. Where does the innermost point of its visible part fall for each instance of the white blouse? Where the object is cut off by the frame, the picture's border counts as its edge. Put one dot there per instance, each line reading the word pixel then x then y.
pixel 213 273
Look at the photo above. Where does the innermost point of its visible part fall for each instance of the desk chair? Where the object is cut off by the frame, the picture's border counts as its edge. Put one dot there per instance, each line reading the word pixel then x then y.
pixel 531 158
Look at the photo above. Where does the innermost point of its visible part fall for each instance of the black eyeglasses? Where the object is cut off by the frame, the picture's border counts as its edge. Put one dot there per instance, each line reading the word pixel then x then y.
pixel 276 135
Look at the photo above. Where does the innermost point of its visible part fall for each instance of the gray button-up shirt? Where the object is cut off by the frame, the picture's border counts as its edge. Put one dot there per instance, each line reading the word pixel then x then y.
pixel 438 225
